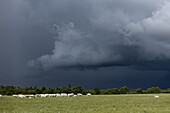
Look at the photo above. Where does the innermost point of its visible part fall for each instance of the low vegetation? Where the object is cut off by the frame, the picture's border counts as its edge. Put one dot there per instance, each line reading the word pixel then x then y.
pixel 10 90
pixel 129 103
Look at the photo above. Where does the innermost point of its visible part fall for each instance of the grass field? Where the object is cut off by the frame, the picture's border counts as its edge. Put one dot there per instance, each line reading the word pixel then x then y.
pixel 145 103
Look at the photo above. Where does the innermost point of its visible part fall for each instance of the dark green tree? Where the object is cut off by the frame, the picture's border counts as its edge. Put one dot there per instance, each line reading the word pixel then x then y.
pixel 132 91
pixel 42 89
pixel 115 91
pixel 78 89
pixel 139 91
pixel 123 90
pixel 90 91
pixel 154 90
pixel 96 90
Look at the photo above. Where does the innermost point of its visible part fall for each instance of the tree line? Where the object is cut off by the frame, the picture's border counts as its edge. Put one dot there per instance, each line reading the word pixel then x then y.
pixel 10 90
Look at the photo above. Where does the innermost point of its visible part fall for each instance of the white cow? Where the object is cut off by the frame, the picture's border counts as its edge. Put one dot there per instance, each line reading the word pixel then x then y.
pixel 47 95
pixel 0 96
pixel 37 95
pixel 88 94
pixel 70 95
pixel 63 94
pixel 75 95
pixel 32 96
pixel 79 94
pixel 29 97
pixel 43 95
pixel 50 95
pixel 16 96
pixel 21 96
pixel 53 95
pixel 58 95
pixel 156 96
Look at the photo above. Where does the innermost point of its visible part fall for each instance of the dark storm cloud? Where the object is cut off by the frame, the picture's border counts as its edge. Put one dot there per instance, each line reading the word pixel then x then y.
pixel 104 33
pixel 131 35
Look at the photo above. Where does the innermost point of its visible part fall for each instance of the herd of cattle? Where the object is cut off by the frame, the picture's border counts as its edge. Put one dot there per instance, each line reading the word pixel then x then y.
pixel 53 95
pixel 48 95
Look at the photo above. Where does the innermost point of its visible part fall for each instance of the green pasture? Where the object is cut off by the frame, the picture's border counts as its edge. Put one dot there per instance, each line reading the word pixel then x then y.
pixel 137 103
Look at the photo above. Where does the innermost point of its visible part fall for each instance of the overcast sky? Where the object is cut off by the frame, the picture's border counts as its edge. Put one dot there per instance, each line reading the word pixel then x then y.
pixel 88 43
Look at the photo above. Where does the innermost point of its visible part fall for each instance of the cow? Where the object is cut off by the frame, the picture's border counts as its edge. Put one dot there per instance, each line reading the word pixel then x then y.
pixel 43 95
pixel 88 94
pixel 21 96
pixel 79 94
pixel 27 96
pixel 37 95
pixel 58 95
pixel 15 96
pixel 156 96
pixel 47 95
pixel 32 96
pixel 0 96
pixel 52 95
pixel 63 94
pixel 70 95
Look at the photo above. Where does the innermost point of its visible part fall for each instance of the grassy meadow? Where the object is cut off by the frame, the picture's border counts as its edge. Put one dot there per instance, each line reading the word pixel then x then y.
pixel 145 103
